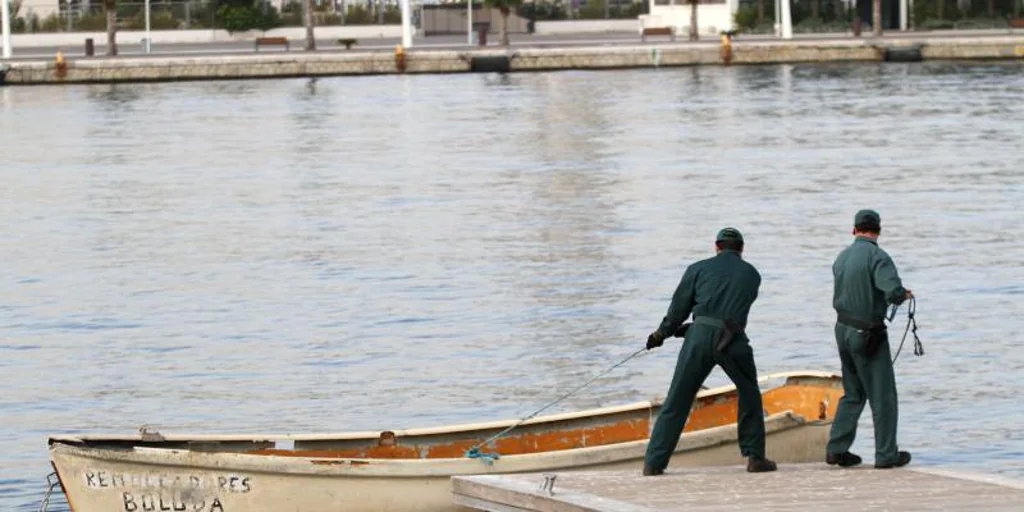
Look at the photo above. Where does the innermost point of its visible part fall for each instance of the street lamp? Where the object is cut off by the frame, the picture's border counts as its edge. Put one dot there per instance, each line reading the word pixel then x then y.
pixel 787 20
pixel 149 39
pixel 5 20
pixel 406 25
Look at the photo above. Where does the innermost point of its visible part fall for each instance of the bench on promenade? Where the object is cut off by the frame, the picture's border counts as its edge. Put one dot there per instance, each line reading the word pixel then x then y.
pixel 265 41
pixel 657 31
pixel 1017 23
pixel 348 42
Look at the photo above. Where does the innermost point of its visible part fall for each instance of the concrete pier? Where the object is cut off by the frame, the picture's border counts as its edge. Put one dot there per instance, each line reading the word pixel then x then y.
pixel 294 64
pixel 792 487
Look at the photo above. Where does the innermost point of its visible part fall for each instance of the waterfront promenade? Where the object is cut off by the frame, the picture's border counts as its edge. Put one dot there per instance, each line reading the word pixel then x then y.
pixel 130 44
pixel 228 61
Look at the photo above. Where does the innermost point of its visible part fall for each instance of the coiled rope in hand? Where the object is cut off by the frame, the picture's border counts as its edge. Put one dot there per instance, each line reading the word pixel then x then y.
pixel 911 327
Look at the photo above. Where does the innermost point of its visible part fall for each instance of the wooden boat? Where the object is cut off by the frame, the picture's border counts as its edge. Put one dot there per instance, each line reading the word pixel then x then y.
pixel 410 470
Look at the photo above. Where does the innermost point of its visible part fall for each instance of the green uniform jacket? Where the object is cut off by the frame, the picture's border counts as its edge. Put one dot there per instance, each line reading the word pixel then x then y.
pixel 866 281
pixel 721 287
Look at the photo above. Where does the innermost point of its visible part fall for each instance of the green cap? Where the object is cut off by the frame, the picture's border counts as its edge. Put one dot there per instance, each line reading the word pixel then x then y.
pixel 868 217
pixel 729 234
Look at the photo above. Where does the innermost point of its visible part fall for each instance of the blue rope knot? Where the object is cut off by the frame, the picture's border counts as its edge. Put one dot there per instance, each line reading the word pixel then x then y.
pixel 488 458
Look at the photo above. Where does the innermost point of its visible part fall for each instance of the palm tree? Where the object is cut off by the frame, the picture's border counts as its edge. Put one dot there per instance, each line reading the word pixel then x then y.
pixel 760 12
pixel 307 7
pixel 876 18
pixel 694 35
pixel 505 8
pixel 110 7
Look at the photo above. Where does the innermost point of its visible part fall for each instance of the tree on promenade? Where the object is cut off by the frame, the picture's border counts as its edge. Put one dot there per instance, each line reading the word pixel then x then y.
pixel 876 17
pixel 694 34
pixel 110 8
pixel 307 7
pixel 505 8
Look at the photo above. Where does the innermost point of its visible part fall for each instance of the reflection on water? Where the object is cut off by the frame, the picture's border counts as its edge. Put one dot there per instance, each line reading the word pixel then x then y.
pixel 390 252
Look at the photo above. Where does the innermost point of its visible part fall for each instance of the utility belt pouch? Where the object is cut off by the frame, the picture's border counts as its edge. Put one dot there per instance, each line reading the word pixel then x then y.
pixel 730 330
pixel 877 335
pixel 877 332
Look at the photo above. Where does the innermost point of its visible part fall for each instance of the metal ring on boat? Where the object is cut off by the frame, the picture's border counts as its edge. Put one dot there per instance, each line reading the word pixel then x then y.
pixel 387 438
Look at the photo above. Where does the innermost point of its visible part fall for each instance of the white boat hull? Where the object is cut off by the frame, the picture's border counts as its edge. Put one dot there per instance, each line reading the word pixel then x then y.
pixel 159 479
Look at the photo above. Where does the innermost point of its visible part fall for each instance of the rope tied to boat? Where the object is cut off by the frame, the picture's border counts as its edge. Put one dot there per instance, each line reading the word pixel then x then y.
pixel 489 458
pixel 911 328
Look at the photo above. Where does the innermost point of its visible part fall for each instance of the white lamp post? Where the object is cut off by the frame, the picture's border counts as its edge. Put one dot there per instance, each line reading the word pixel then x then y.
pixel 6 22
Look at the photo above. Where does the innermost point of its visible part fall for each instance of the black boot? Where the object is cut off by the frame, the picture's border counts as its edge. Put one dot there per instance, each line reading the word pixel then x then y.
pixel 845 459
pixel 649 471
pixel 760 465
pixel 901 460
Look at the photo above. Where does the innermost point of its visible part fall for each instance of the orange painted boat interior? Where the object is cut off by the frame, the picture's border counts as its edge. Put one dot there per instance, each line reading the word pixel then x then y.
pixel 813 401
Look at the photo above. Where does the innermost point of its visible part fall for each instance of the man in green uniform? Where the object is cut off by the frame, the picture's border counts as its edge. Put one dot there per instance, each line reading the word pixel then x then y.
pixel 866 281
pixel 719 292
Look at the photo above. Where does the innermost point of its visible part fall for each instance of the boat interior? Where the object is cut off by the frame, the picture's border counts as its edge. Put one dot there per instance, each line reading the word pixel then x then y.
pixel 810 396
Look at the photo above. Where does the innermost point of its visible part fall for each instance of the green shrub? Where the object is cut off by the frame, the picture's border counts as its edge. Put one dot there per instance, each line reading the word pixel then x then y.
pixel 933 24
pixel 358 15
pixel 746 17
pixel 594 10
pixel 629 11
pixel 157 21
pixel 50 23
pixel 542 10
pixel 292 19
pixel 19 25
pixel 239 19
pixel 393 15
pixel 93 22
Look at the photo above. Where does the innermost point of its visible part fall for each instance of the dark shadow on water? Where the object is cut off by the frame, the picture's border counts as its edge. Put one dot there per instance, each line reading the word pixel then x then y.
pixel 312 112
pixel 116 96
pixel 311 86
pixel 232 89
pixel 501 80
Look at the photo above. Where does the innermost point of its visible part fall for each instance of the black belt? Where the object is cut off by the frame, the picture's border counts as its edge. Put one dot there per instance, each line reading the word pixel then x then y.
pixel 856 322
pixel 729 328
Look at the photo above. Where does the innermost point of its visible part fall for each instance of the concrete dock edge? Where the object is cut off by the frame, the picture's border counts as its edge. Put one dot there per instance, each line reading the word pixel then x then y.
pixel 805 486
pixel 255 66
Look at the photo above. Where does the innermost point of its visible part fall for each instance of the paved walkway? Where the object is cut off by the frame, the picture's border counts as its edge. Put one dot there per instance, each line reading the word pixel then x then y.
pixel 133 48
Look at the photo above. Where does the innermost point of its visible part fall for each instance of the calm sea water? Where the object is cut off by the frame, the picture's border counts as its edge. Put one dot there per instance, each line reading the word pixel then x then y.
pixel 392 252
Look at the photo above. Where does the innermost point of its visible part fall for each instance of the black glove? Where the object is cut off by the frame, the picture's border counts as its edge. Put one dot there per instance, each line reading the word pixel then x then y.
pixel 681 332
pixel 655 340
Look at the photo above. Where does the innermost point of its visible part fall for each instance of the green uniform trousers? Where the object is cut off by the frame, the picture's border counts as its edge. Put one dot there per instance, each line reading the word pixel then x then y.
pixel 865 379
pixel 697 358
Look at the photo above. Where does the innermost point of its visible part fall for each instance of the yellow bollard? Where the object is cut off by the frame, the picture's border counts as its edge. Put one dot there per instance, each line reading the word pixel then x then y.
pixel 400 58
pixel 726 50
pixel 60 66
